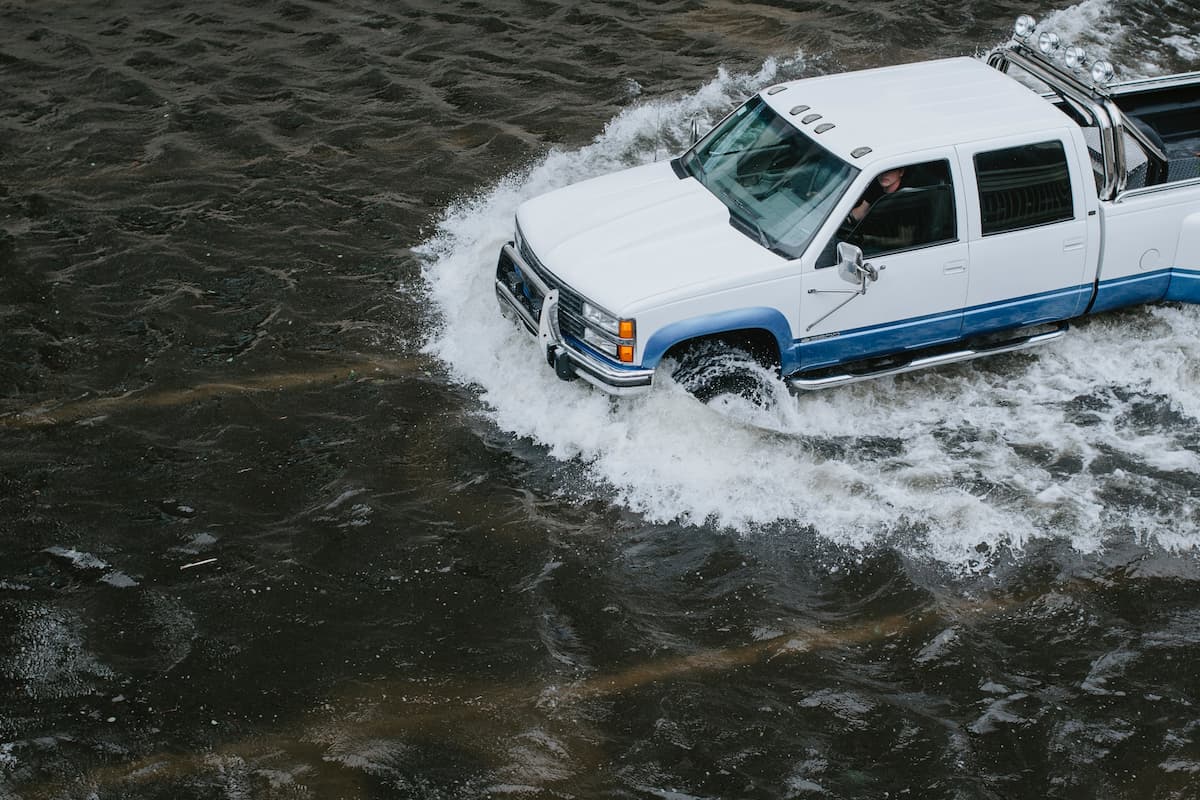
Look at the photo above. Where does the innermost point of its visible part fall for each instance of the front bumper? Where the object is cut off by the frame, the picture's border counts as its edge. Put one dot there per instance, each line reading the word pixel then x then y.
pixel 540 318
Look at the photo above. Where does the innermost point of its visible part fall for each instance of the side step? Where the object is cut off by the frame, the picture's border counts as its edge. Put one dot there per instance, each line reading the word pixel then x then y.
pixel 941 359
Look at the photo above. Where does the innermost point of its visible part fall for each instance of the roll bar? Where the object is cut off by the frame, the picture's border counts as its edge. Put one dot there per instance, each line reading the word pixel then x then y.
pixel 1091 98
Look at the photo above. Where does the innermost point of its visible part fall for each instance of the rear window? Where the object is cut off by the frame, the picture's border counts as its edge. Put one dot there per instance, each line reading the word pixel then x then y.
pixel 1022 187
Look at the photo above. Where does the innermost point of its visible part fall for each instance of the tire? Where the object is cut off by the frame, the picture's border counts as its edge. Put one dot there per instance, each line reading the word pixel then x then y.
pixel 710 368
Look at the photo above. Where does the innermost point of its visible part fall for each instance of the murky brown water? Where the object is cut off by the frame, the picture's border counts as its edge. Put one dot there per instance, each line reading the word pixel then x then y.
pixel 274 523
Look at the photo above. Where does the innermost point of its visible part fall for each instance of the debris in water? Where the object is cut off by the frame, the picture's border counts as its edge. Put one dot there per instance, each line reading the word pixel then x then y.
pixel 119 580
pixel 174 508
pixel 77 558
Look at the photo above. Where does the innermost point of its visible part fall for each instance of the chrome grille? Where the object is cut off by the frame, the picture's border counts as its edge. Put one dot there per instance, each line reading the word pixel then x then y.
pixel 570 304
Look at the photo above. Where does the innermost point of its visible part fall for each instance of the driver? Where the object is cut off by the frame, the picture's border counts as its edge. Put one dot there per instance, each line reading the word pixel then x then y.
pixel 887 183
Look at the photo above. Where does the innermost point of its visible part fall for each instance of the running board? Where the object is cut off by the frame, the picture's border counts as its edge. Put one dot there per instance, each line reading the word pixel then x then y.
pixel 941 359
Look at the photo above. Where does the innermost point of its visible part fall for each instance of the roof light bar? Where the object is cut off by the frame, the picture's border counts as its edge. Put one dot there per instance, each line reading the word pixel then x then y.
pixel 1048 46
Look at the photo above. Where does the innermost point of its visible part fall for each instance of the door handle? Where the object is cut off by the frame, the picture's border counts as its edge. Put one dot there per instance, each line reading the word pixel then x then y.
pixel 1073 244
pixel 954 268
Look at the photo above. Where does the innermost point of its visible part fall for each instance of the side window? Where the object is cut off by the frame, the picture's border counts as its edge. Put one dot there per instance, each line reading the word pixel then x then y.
pixel 902 209
pixel 1021 187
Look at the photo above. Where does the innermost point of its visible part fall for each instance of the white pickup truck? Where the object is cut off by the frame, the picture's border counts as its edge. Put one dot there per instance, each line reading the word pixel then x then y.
pixel 854 225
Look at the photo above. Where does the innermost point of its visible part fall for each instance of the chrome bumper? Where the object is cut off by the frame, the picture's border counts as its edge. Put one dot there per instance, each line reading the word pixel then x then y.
pixel 568 362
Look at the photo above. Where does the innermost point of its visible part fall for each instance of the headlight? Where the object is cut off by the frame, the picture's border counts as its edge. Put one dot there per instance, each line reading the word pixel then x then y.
pixel 608 334
pixel 598 341
pixel 1048 42
pixel 601 319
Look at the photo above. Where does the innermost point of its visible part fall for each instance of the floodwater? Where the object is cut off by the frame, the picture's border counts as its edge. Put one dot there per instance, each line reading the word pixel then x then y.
pixel 288 511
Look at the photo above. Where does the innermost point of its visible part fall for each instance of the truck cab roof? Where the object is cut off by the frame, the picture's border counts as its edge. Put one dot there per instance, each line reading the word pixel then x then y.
pixel 901 110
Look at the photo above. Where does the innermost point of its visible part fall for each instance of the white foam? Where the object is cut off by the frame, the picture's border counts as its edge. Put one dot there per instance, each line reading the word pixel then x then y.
pixel 1090 22
pixel 1186 47
pixel 938 463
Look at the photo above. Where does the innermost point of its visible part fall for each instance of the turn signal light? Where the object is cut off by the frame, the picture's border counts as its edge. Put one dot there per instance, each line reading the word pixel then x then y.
pixel 625 353
pixel 625 329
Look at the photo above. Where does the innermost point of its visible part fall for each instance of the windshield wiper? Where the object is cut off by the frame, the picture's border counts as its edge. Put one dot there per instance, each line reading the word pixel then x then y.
pixel 749 218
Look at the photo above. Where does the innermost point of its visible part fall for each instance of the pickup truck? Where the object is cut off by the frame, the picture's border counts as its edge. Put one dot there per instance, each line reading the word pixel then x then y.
pixel 848 226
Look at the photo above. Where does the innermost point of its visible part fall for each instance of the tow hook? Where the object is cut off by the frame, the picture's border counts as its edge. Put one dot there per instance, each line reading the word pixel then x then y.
pixel 563 367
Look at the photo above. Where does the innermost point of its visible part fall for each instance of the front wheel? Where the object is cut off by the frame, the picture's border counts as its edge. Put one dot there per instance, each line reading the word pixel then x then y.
pixel 711 368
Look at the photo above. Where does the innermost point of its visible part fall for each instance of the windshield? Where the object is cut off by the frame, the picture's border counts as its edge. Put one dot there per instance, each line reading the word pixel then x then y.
pixel 779 185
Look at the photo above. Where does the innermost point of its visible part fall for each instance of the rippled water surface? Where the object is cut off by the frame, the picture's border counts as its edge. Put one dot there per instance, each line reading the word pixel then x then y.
pixel 287 510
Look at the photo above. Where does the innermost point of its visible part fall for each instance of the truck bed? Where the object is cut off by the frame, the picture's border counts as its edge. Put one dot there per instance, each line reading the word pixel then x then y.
pixel 1172 112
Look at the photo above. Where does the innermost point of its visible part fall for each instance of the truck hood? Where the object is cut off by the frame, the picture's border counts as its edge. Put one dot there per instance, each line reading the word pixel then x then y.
pixel 624 238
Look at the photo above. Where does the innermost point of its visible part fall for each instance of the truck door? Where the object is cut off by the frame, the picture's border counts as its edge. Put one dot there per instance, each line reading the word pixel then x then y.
pixel 1032 260
pixel 914 238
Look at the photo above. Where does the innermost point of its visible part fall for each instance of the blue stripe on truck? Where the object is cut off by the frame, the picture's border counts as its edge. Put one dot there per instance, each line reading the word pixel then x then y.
pixel 1165 284
pixel 893 337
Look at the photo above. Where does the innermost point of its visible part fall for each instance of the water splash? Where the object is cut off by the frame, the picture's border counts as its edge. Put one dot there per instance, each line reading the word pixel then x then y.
pixel 1092 22
pixel 1089 441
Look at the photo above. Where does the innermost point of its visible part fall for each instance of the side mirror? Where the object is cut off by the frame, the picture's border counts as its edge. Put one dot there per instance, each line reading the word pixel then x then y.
pixel 851 266
pixel 850 262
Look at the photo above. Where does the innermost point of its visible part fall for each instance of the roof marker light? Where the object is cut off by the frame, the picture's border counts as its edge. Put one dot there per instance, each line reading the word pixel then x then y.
pixel 1102 72
pixel 1025 26
pixel 776 89
pixel 1075 58
pixel 824 126
pixel 798 110
pixel 1048 42
pixel 810 118
pixel 859 152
